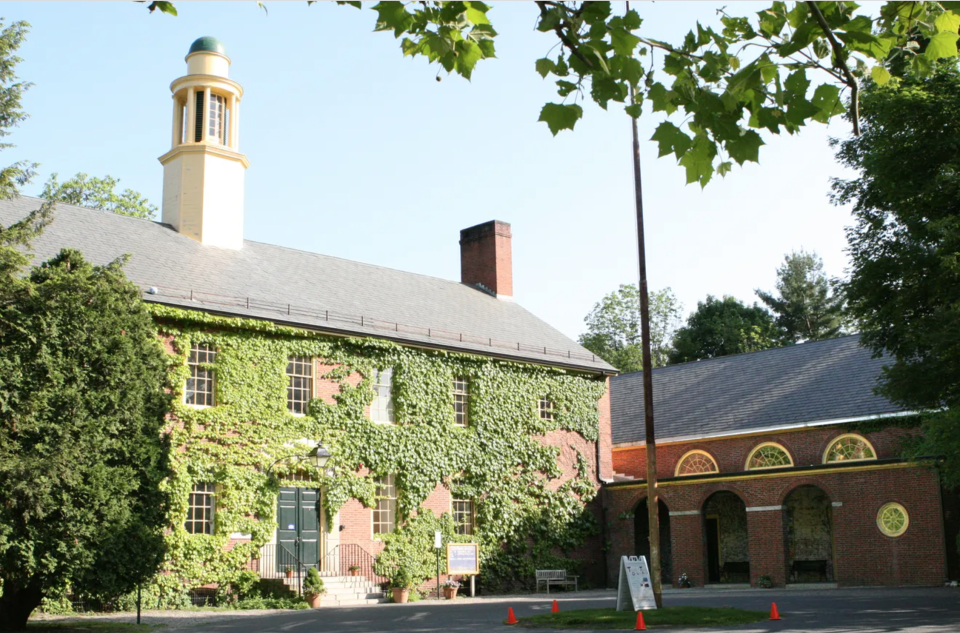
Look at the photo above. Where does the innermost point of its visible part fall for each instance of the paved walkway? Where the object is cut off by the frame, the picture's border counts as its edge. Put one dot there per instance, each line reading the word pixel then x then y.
pixel 821 610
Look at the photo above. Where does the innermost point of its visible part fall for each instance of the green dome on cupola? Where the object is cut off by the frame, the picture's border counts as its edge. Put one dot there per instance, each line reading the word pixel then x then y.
pixel 209 44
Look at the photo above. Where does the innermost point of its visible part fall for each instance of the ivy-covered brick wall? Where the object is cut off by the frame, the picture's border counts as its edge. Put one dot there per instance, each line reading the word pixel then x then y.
pixel 534 481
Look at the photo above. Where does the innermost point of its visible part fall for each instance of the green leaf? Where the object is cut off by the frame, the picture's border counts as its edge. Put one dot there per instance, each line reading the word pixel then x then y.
pixel 352 3
pixel 392 15
pixel 165 7
pixel 634 110
pixel 948 21
pixel 826 98
pixel 745 148
pixel 559 116
pixel 941 45
pixel 468 54
pixel 545 67
pixel 477 12
pixel 698 160
pixel 671 140
pixel 724 168
pixel 661 98
pixel 623 41
pixel 880 75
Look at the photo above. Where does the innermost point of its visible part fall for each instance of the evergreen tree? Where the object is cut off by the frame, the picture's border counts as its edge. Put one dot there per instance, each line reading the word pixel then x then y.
pixel 613 327
pixel 804 308
pixel 719 327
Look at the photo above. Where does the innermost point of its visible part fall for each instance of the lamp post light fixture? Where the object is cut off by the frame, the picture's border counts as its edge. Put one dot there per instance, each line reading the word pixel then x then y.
pixel 318 457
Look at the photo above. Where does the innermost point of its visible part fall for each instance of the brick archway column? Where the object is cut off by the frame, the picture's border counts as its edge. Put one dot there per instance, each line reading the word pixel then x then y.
pixel 686 540
pixel 765 530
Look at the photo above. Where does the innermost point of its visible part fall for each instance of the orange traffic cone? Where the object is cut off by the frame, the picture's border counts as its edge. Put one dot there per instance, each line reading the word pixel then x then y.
pixel 511 618
pixel 640 625
pixel 774 614
pixel 555 608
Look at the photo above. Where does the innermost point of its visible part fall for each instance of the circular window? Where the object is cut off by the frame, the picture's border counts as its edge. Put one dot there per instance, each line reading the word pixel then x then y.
pixel 892 519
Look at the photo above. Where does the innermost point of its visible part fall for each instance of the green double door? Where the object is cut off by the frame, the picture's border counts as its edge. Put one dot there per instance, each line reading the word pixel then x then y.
pixel 298 529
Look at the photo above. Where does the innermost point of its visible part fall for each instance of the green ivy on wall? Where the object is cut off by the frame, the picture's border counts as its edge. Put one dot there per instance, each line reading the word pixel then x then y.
pixel 522 520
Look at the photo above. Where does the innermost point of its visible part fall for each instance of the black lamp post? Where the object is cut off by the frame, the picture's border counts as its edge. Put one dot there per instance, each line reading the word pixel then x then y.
pixel 318 457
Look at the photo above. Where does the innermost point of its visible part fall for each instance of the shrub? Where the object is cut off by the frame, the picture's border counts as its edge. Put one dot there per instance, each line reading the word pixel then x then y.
pixel 313 583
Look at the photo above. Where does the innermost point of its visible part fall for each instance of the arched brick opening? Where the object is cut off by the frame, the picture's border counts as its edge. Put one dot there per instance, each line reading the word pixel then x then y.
pixel 641 522
pixel 808 523
pixel 726 540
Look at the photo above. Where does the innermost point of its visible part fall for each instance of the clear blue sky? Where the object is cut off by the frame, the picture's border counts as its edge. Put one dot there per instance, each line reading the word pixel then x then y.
pixel 358 152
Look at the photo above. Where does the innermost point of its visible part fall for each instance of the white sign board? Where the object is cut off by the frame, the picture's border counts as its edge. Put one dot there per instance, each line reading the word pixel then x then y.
pixel 634 587
pixel 437 536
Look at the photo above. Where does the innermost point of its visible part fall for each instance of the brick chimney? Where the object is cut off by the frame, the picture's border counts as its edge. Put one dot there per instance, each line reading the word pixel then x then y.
pixel 485 258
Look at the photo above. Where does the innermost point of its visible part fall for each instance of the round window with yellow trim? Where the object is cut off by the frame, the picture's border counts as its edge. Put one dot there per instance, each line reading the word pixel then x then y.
pixel 849 448
pixel 769 455
pixel 696 463
pixel 892 519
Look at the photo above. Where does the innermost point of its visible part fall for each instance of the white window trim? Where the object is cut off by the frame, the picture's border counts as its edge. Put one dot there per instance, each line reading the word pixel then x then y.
pixel 377 536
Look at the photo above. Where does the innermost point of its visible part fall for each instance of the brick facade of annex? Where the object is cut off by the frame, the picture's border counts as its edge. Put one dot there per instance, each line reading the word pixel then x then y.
pixel 862 555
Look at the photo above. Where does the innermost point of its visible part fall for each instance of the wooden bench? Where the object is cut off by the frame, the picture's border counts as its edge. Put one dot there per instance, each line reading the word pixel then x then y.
pixel 735 568
pixel 555 577
pixel 801 566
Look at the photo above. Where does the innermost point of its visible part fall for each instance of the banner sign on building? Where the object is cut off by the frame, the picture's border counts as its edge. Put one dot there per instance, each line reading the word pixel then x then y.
pixel 634 588
pixel 463 559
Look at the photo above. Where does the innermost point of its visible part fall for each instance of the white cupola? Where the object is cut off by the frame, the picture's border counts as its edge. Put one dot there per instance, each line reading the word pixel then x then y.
pixel 203 171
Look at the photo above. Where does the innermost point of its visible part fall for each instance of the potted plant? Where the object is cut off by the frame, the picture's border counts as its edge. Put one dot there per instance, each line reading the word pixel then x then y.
pixel 684 582
pixel 313 588
pixel 353 569
pixel 450 589
pixel 288 570
pixel 765 582
pixel 401 583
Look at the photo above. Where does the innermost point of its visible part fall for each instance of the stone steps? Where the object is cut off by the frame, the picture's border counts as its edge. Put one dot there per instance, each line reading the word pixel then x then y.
pixel 345 590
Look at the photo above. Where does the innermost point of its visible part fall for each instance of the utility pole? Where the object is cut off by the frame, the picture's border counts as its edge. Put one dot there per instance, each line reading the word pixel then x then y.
pixel 653 502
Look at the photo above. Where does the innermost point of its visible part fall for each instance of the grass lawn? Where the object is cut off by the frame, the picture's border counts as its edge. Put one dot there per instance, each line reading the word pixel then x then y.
pixel 667 616
pixel 73 626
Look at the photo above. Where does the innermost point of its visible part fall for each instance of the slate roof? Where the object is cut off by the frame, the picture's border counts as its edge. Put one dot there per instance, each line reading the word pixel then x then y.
pixel 810 383
pixel 305 289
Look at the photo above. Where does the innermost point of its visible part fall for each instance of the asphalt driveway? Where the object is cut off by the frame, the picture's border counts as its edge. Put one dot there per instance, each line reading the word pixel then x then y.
pixel 826 610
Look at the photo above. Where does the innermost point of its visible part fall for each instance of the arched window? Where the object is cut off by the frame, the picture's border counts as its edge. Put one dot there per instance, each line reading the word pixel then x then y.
pixel 849 448
pixel 696 463
pixel 769 455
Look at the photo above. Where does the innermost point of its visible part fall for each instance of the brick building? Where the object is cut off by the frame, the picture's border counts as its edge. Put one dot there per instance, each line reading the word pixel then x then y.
pixel 779 463
pixel 274 350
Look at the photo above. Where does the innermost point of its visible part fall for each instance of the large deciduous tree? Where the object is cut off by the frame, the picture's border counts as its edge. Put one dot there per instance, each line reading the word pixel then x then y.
pixel 719 327
pixel 804 307
pixel 904 285
pixel 613 327
pixel 98 193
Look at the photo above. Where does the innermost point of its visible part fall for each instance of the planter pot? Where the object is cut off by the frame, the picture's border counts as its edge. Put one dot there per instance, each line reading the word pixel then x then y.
pixel 313 599
pixel 289 573
pixel 400 596
pixel 354 572
pixel 450 593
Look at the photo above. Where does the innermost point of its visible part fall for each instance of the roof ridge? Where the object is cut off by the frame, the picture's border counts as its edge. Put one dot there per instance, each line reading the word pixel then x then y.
pixel 268 244
pixel 740 354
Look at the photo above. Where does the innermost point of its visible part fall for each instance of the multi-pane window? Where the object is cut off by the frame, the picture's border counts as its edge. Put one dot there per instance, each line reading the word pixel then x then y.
pixel 849 448
pixel 201 509
pixel 463 515
pixel 385 512
pixel 300 387
pixel 199 391
pixel 769 455
pixel 546 409
pixel 381 410
pixel 461 397
pixel 217 115
pixel 892 519
pixel 696 463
